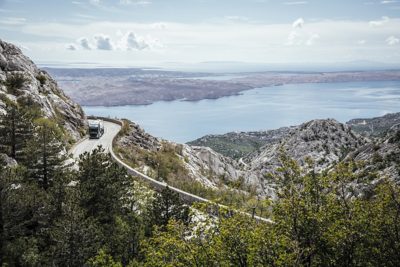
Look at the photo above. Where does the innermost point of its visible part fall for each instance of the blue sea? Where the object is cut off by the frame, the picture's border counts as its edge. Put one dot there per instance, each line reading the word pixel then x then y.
pixel 260 109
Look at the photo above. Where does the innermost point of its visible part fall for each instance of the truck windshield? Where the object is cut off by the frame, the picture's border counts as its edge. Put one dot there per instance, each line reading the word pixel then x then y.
pixel 93 130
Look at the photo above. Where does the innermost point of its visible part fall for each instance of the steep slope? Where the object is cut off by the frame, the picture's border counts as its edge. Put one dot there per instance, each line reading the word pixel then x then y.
pixel 174 163
pixel 326 142
pixel 375 127
pixel 38 88
pixel 238 144
pixel 381 158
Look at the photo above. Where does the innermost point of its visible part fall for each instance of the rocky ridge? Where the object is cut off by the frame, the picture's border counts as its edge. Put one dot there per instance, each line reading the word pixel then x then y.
pixel 375 127
pixel 40 88
pixel 202 164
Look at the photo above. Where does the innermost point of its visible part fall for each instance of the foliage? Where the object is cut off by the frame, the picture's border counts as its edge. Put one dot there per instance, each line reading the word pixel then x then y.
pixel 16 128
pixel 14 83
pixel 46 152
pixel 97 216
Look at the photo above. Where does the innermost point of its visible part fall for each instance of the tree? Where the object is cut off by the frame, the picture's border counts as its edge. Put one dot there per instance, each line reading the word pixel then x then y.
pixel 168 205
pixel 46 152
pixel 104 185
pixel 15 130
pixel 102 259
pixel 75 238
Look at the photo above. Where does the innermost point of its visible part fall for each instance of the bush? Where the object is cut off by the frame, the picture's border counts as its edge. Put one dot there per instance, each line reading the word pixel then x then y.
pixel 14 83
pixel 42 79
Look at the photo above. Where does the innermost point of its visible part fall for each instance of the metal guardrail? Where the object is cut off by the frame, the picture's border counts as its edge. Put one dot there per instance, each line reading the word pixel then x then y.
pixel 157 185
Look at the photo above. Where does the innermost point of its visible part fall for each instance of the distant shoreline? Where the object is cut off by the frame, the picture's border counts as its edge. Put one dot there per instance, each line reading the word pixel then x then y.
pixel 122 87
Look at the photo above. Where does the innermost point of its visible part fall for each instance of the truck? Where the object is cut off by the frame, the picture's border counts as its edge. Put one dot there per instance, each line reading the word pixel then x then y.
pixel 96 129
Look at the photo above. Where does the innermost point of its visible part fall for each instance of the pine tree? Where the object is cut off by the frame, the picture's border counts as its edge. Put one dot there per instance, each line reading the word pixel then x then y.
pixel 15 130
pixel 166 206
pixel 104 185
pixel 46 152
pixel 75 238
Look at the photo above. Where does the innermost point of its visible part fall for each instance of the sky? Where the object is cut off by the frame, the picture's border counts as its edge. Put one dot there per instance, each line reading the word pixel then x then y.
pixel 161 32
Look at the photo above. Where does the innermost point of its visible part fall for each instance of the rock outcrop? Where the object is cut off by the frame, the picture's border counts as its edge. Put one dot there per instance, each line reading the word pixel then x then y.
pixel 40 88
pixel 381 158
pixel 202 164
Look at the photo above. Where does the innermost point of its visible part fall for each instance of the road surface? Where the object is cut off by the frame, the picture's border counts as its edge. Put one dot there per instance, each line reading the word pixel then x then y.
pixel 110 131
pixel 87 145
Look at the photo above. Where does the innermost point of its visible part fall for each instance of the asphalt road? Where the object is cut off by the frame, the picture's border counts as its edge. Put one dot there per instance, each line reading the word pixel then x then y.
pixel 110 131
pixel 87 145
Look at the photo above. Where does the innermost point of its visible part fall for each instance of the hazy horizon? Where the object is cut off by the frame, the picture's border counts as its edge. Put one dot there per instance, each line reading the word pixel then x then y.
pixel 151 33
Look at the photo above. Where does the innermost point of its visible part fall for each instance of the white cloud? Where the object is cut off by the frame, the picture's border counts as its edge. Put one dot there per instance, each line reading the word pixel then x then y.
pixel 84 43
pixel 377 23
pixel 71 47
pixel 236 18
pixel 385 2
pixel 311 40
pixel 13 21
pixel 103 42
pixel 361 42
pixel 223 41
pixel 135 2
pixel 131 41
pixel 298 23
pixel 392 40
pixel 94 2
pixel 295 3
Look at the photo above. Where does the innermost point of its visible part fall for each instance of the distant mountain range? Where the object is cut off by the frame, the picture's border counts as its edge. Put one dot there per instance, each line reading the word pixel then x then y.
pixel 131 86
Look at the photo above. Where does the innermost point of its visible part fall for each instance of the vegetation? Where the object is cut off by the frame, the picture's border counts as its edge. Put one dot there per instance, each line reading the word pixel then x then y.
pixel 54 215
pixel 234 145
pixel 167 165
pixel 14 83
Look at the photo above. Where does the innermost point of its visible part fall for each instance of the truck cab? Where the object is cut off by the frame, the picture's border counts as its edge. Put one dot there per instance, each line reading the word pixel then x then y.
pixel 96 129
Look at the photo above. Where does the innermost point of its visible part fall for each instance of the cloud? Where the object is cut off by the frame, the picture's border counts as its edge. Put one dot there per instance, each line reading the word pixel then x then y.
pixel 103 42
pixel 236 18
pixel 71 47
pixel 94 2
pixel 132 42
pixel 84 43
pixel 377 23
pixel 294 3
pixel 293 38
pixel 299 23
pixel 392 40
pixel 135 2
pixel 13 21
pixel 311 40
pixel 385 2
pixel 361 42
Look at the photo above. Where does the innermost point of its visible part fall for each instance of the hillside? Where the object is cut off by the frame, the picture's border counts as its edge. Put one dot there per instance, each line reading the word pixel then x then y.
pixel 239 144
pixel 375 127
pixel 21 81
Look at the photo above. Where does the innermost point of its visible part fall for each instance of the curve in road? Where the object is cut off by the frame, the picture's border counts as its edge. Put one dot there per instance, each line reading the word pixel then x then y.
pixel 111 130
pixel 87 145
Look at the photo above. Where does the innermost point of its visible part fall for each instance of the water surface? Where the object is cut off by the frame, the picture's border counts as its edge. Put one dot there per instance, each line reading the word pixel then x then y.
pixel 260 109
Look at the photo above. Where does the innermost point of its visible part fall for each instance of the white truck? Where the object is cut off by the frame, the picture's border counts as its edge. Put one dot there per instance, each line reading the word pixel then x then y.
pixel 96 129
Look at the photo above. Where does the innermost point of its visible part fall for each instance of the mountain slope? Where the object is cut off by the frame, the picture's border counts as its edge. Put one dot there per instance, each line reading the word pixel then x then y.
pixel 375 127
pixel 38 88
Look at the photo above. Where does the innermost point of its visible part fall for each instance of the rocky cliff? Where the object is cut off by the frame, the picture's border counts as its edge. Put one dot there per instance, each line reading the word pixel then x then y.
pixel 325 142
pixel 381 158
pixel 152 155
pixel 40 88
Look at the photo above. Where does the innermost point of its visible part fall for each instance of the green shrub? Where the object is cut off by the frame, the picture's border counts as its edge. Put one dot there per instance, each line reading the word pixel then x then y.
pixel 14 83
pixel 42 79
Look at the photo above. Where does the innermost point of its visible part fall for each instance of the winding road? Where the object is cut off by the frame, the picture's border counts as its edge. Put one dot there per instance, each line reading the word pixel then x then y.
pixel 87 145
pixel 111 129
